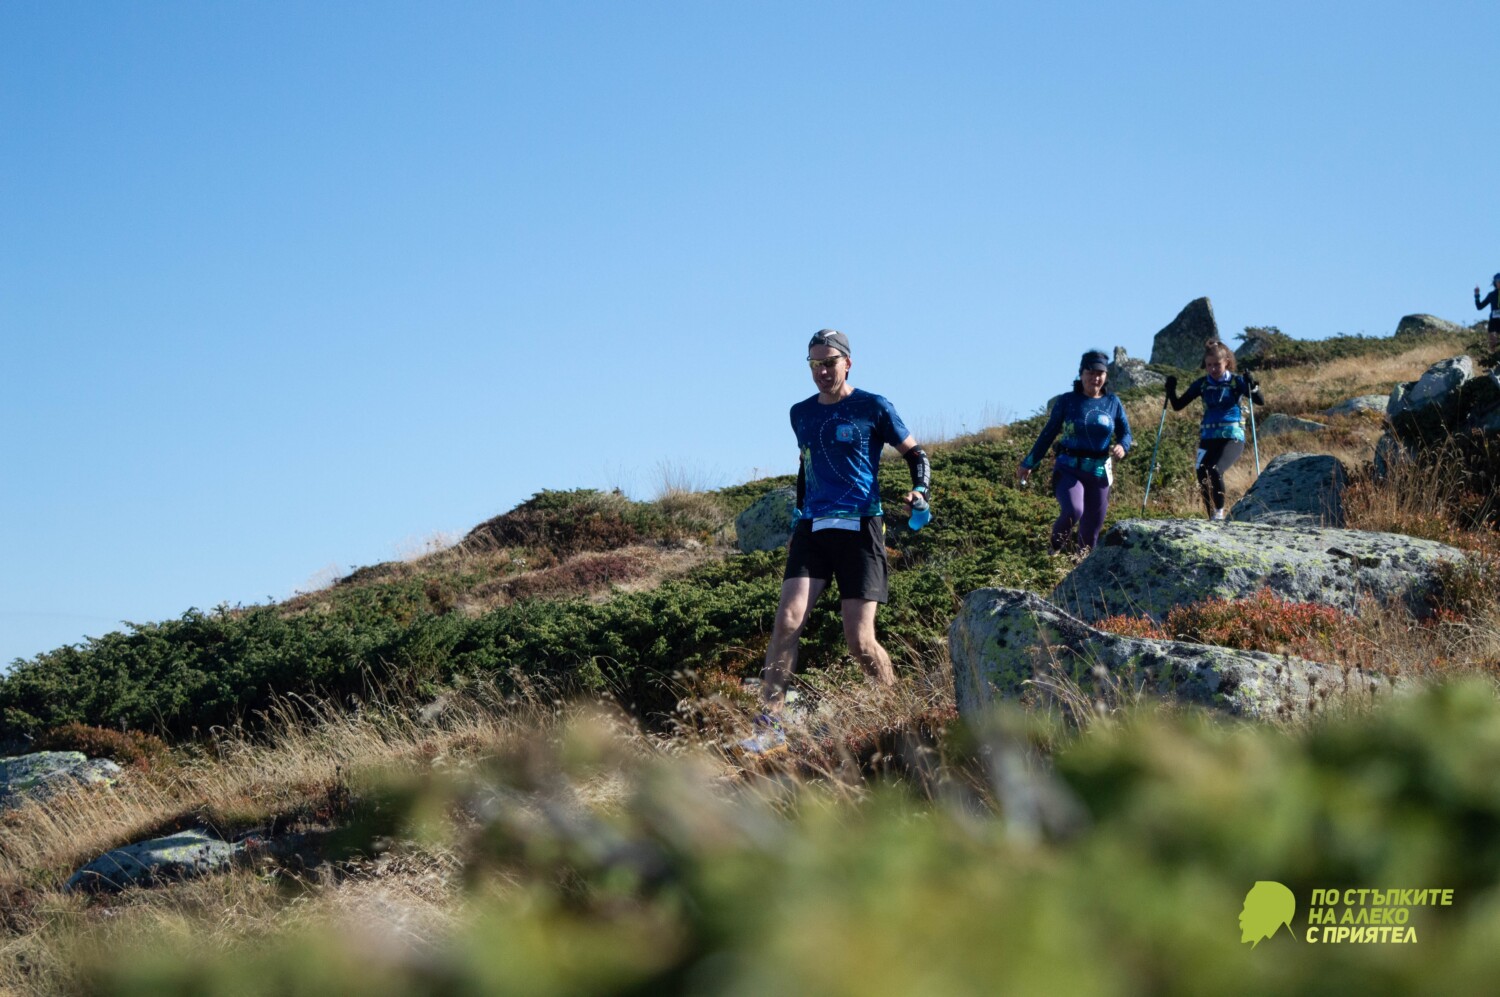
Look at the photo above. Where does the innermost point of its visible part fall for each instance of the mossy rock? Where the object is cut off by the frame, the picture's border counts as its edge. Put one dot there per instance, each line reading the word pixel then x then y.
pixel 1005 640
pixel 1148 566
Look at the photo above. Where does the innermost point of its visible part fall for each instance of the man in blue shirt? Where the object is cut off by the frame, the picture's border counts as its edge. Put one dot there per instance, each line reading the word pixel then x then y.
pixel 840 530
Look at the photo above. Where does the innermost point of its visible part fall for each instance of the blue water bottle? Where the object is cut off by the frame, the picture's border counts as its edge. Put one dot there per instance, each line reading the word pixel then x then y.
pixel 921 512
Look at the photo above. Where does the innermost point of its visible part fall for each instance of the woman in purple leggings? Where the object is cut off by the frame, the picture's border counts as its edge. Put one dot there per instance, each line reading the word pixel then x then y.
pixel 1089 419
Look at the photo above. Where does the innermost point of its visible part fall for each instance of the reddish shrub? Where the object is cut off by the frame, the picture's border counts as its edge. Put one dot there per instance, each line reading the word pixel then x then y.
pixel 582 574
pixel 1133 626
pixel 1262 622
pixel 130 747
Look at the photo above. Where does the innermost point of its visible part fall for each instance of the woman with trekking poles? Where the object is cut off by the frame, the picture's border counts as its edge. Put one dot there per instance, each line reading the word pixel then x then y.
pixel 1492 301
pixel 1221 438
pixel 1097 433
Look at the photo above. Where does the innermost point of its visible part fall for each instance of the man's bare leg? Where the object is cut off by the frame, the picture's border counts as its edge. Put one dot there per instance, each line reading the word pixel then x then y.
pixel 797 598
pixel 859 633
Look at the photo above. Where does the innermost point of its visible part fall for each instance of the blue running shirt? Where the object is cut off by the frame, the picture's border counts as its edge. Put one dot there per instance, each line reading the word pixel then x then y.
pixel 1088 427
pixel 1222 418
pixel 840 446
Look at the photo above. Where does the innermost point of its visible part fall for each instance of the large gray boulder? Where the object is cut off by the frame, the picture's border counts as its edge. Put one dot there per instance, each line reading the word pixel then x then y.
pixel 1296 489
pixel 1130 372
pixel 1427 325
pixel 1279 424
pixel 42 774
pixel 1448 414
pixel 1149 566
pixel 1005 642
pixel 1428 410
pixel 1180 343
pixel 184 855
pixel 767 524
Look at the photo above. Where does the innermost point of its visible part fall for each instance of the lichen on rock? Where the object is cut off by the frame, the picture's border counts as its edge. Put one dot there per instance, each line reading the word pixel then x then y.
pixel 1004 640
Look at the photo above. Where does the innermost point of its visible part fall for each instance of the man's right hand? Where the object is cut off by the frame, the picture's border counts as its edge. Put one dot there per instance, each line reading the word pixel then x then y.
pixel 1171 384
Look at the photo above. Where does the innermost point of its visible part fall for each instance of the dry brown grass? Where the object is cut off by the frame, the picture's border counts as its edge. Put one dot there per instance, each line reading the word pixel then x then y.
pixel 1310 389
pixel 411 897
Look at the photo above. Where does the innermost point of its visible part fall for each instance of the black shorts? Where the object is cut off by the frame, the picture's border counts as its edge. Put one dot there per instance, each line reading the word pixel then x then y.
pixel 854 558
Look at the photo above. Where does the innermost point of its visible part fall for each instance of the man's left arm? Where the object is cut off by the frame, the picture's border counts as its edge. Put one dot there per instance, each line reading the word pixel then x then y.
pixel 920 467
pixel 893 429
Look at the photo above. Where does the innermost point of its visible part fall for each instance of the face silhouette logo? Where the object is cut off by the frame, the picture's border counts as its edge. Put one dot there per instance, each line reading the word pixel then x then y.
pixel 1267 907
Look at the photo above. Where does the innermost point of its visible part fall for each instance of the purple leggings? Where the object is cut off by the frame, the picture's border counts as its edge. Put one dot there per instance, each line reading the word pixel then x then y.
pixel 1083 499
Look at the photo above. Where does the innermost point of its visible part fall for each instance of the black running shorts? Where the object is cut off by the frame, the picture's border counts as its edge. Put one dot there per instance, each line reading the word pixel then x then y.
pixel 853 558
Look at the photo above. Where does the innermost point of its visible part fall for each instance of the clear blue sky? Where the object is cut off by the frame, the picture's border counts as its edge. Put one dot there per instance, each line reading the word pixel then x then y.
pixel 287 287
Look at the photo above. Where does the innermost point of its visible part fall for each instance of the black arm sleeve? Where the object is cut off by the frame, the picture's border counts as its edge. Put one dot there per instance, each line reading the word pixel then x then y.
pixel 921 469
pixel 1489 299
pixel 1253 390
pixel 801 484
pixel 1194 390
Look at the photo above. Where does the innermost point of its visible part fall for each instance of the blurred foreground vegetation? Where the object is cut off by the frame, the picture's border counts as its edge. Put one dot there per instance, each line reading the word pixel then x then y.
pixel 1016 858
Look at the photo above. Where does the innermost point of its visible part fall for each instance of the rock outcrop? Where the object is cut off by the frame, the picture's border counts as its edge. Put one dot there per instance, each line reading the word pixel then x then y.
pixel 1361 403
pixel 1296 489
pixel 1449 414
pixel 1426 325
pixel 1006 641
pixel 1279 424
pixel 767 524
pixel 1428 410
pixel 1180 343
pixel 43 773
pixel 1149 566
pixel 1130 372
pixel 184 855
pixel 1447 400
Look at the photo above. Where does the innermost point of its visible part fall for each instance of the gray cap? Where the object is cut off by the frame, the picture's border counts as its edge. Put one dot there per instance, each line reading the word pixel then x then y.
pixel 831 337
pixel 1093 360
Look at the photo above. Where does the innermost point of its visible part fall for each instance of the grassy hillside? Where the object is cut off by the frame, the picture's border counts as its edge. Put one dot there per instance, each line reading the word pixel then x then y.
pixel 592 592
pixel 503 764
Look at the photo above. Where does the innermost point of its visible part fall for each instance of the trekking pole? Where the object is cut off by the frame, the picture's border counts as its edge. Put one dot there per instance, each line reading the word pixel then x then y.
pixel 1254 443
pixel 1159 427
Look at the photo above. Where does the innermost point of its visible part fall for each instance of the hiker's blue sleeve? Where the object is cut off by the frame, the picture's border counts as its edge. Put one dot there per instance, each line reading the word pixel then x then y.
pixel 892 430
pixel 1122 426
pixel 1049 433
pixel 1489 299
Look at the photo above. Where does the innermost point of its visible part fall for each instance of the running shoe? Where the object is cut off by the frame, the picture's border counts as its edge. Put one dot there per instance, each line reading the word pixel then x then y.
pixel 767 738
